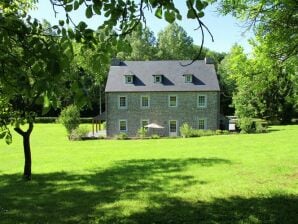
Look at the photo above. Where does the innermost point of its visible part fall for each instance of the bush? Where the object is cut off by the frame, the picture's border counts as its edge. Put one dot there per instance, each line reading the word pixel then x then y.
pixel 186 130
pixel 247 125
pixel 121 136
pixel 142 132
pixel 155 136
pixel 79 133
pixel 261 126
pixel 250 125
pixel 70 118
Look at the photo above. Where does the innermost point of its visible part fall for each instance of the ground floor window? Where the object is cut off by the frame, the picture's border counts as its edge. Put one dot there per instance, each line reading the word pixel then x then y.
pixel 144 123
pixel 173 126
pixel 122 125
pixel 202 124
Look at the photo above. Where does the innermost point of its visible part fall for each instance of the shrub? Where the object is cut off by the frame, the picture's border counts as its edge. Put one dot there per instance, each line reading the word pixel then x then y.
pixel 261 126
pixel 186 130
pixel 70 118
pixel 142 132
pixel 79 133
pixel 121 136
pixel 219 132
pixel 247 125
pixel 155 136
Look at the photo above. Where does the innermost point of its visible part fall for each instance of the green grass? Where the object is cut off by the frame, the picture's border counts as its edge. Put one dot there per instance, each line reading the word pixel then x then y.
pixel 217 179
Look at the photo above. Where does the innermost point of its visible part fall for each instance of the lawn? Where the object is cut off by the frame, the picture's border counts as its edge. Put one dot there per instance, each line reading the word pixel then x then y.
pixel 217 179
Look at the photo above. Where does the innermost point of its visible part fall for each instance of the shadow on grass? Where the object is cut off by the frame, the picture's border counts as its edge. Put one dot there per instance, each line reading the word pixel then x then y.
pixel 132 191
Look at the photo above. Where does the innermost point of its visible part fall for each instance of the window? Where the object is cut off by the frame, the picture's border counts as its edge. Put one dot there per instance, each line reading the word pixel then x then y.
pixel 122 125
pixel 188 78
pixel 145 102
pixel 202 101
pixel 144 123
pixel 129 79
pixel 157 78
pixel 173 126
pixel 172 101
pixel 202 123
pixel 122 102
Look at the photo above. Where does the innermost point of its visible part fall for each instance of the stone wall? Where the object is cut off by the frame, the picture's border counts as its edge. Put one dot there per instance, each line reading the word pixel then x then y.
pixel 159 111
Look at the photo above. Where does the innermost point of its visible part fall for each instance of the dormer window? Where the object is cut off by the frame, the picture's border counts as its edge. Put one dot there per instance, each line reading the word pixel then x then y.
pixel 157 78
pixel 188 78
pixel 129 79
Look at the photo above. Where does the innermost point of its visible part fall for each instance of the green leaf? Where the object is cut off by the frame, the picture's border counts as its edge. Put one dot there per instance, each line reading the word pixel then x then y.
pixel 169 16
pixel 199 5
pixel 201 14
pixel 158 13
pixel 191 14
pixel 8 138
pixel 46 101
pixel 97 7
pixel 76 5
pixel 68 8
pixel 61 22
pixel 82 26
pixel 70 33
pixel 89 12
pixel 178 16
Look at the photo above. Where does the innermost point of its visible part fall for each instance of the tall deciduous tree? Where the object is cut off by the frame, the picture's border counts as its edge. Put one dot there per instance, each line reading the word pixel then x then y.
pixel 174 43
pixel 142 43
pixel 263 88
pixel 273 20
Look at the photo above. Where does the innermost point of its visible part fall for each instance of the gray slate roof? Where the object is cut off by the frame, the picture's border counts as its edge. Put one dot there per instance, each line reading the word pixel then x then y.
pixel 204 79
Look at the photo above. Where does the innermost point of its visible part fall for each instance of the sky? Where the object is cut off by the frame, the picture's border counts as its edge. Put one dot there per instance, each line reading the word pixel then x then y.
pixel 226 30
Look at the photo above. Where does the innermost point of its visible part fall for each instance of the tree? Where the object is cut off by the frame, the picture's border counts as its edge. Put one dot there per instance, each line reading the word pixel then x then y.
pixel 142 45
pixel 33 69
pixel 36 63
pixel 273 20
pixel 262 87
pixel 174 43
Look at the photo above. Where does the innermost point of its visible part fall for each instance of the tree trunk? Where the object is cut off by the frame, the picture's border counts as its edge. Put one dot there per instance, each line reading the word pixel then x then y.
pixel 27 150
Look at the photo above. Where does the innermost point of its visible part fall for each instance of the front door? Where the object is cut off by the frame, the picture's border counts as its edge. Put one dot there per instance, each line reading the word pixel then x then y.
pixel 173 128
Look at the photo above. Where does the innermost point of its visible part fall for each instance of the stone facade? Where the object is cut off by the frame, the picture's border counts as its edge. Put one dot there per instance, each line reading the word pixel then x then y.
pixel 159 112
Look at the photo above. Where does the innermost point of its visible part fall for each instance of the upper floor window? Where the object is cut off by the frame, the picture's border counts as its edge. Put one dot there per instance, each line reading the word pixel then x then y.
pixel 145 102
pixel 202 101
pixel 188 78
pixel 157 78
pixel 122 102
pixel 128 79
pixel 173 101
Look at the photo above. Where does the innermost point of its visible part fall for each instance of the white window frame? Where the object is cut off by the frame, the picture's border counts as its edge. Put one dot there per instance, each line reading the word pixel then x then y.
pixel 142 120
pixel 127 77
pixel 119 125
pixel 169 100
pixel 188 76
pixel 119 105
pixel 171 133
pixel 145 107
pixel 205 123
pixel 157 76
pixel 205 104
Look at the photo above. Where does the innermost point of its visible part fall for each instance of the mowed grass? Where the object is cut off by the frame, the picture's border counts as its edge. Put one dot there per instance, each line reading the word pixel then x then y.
pixel 216 179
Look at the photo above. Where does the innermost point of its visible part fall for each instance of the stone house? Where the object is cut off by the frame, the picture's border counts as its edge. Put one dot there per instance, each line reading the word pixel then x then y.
pixel 166 93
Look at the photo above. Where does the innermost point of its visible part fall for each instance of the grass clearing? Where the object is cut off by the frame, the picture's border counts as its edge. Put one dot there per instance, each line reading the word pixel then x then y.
pixel 217 179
